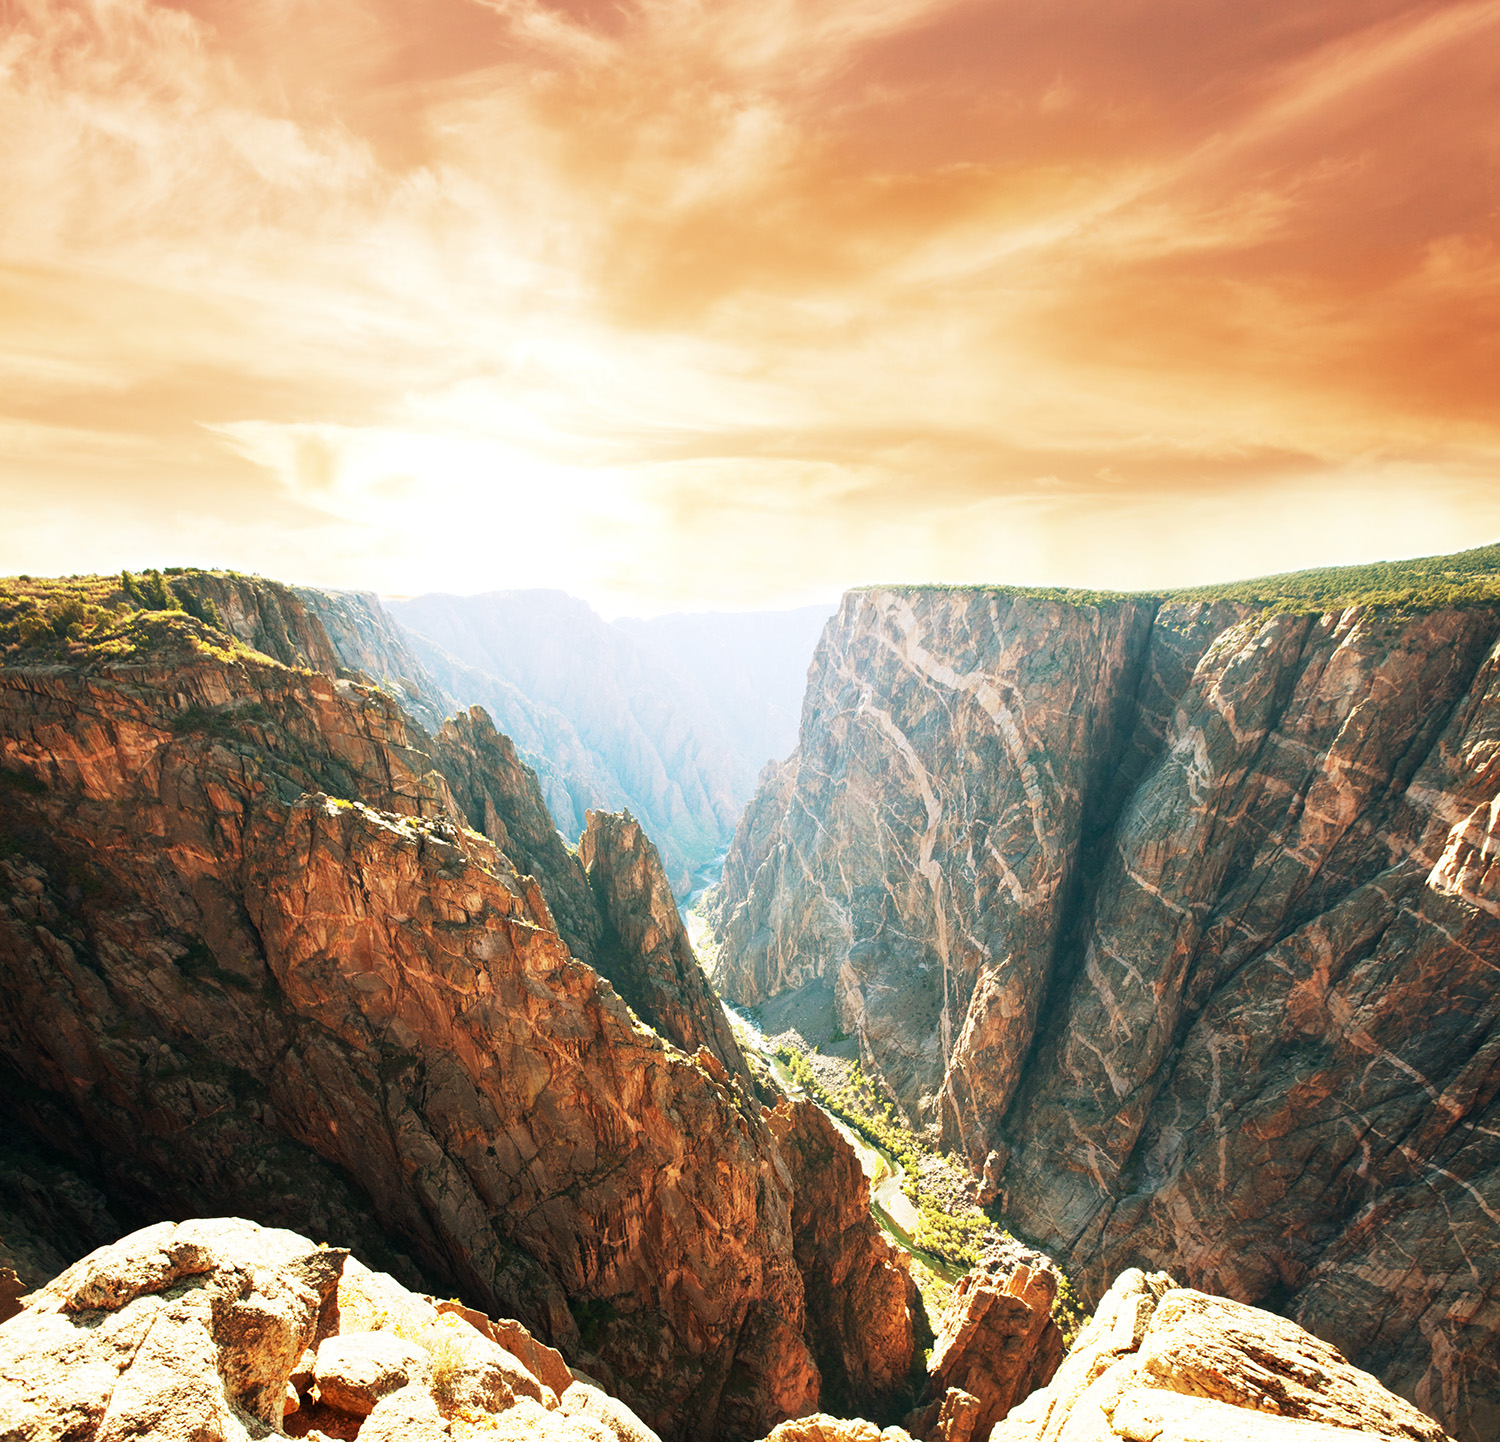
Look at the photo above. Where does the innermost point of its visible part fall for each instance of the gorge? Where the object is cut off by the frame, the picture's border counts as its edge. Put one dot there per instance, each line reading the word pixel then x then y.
pixel 1171 919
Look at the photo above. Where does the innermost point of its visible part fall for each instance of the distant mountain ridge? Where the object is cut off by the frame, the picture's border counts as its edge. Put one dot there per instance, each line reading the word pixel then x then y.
pixel 671 717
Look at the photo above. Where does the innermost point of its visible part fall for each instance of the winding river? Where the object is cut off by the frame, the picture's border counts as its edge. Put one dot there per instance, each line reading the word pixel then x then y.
pixel 892 1208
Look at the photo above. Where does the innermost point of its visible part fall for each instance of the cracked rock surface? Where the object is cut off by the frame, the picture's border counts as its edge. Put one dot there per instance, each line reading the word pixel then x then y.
pixel 1182 923
pixel 256 958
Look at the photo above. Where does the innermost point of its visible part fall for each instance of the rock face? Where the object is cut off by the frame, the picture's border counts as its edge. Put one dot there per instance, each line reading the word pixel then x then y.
pixel 997 1343
pixel 1174 1365
pixel 1180 922
pixel 253 957
pixel 267 616
pixel 221 1330
pixel 944 777
pixel 644 947
pixel 860 1296
pixel 369 644
pixel 611 901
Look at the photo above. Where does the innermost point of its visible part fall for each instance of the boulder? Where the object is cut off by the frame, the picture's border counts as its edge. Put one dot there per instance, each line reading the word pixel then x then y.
pixel 223 1331
pixel 822 1428
pixel 184 1330
pixel 1158 1363
pixel 355 1370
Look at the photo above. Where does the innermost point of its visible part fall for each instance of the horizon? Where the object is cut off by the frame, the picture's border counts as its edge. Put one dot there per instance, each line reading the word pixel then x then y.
pixel 683 311
pixel 830 604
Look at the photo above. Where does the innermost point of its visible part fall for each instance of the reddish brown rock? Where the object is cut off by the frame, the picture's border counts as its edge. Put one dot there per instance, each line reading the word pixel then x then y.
pixel 12 1289
pixel 859 1292
pixel 996 1344
pixel 253 957
pixel 643 946
pixel 1184 934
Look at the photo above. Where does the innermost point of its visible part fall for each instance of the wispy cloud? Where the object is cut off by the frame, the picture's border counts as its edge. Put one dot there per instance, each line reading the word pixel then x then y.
pixel 748 300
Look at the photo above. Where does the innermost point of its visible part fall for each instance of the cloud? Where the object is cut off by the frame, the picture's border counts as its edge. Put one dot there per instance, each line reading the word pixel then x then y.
pixel 728 301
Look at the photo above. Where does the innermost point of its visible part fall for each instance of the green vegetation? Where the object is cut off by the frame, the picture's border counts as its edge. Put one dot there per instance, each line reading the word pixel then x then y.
pixel 593 1315
pixel 1067 1310
pixel 79 619
pixel 951 1227
pixel 1423 583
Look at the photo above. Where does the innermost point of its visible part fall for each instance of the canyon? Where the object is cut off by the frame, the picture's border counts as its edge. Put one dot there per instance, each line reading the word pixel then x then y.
pixel 670 717
pixel 1178 920
pixel 267 950
pixel 1172 919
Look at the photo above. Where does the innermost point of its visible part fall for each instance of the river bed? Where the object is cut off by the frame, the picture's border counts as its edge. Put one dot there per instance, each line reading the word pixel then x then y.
pixel 892 1208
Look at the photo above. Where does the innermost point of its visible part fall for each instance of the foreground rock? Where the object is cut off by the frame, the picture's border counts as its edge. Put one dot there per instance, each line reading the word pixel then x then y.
pixel 1167 1364
pixel 255 957
pixel 1181 923
pixel 996 1345
pixel 220 1330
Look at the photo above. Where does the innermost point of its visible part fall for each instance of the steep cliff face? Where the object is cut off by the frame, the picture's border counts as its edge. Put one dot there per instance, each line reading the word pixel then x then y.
pixel 941 790
pixel 1202 910
pixel 859 1290
pixel 644 948
pixel 273 619
pixel 368 642
pixel 254 959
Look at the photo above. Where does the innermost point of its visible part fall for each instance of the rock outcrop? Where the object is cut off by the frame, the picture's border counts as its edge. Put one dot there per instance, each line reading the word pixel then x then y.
pixel 255 958
pixel 1180 922
pixel 1175 1365
pixel 860 1296
pixel 267 616
pixel 223 1331
pixel 644 948
pixel 996 1344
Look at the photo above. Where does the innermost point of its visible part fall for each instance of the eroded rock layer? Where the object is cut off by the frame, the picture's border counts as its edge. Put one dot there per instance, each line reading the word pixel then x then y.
pixel 1182 923
pixel 254 959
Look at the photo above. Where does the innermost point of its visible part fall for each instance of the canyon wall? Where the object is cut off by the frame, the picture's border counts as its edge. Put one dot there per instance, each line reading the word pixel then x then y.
pixel 261 953
pixel 1180 922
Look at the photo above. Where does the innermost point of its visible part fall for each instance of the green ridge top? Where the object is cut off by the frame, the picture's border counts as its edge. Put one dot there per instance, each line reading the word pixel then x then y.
pixel 1423 583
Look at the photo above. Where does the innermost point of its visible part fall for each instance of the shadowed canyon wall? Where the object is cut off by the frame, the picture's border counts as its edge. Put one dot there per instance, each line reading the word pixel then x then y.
pixel 1180 922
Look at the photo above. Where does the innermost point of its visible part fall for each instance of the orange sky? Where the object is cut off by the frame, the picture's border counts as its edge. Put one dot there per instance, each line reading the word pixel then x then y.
pixel 740 302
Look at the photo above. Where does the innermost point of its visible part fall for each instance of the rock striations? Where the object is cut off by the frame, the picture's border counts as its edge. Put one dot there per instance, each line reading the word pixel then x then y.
pixel 256 956
pixel 1181 922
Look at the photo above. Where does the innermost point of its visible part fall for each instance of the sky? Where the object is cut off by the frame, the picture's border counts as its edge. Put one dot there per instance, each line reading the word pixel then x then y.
pixel 721 304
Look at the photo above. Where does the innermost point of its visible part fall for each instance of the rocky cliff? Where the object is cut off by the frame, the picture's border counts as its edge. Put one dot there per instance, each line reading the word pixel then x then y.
pixel 257 957
pixel 1178 919
pixel 370 646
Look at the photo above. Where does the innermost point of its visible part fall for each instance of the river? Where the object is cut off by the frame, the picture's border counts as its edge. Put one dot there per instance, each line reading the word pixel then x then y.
pixel 892 1208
